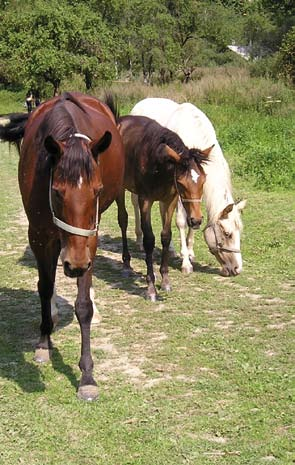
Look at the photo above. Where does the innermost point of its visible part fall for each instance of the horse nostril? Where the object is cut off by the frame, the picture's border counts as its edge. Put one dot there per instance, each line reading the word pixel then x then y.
pixel 237 270
pixel 67 266
pixel 89 265
pixel 195 223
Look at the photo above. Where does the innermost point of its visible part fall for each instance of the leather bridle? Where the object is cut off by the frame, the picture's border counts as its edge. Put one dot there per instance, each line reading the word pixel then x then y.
pixel 218 243
pixel 180 196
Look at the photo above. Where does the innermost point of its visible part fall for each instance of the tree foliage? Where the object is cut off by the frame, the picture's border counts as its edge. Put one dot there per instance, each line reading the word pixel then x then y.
pixel 46 42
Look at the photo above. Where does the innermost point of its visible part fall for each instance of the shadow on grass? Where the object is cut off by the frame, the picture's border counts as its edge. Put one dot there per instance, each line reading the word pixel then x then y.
pixel 28 258
pixel 19 332
pixel 110 268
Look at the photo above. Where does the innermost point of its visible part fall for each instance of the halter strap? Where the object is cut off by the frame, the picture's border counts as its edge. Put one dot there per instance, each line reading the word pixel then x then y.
pixel 81 136
pixel 67 227
pixel 219 245
pixel 179 195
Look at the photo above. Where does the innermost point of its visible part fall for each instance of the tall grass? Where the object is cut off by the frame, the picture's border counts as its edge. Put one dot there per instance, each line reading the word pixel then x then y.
pixel 243 109
pixel 217 86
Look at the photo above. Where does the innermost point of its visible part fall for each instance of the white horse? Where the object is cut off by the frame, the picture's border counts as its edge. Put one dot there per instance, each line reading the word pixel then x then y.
pixel 224 225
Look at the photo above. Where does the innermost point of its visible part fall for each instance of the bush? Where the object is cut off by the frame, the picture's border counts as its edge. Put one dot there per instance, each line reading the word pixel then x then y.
pixel 269 168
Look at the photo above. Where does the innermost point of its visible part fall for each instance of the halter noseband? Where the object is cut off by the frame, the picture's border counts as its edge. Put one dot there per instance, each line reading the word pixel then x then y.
pixel 179 195
pixel 61 224
pixel 219 247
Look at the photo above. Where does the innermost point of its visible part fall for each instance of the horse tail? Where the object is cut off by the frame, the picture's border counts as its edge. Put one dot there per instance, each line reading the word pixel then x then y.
pixel 111 101
pixel 12 127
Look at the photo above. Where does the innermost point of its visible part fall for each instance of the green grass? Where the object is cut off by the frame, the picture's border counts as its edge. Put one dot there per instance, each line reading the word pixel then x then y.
pixel 204 376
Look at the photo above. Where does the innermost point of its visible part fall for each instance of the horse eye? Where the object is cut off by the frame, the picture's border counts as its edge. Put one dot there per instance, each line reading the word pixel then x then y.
pixel 58 193
pixel 98 191
pixel 228 235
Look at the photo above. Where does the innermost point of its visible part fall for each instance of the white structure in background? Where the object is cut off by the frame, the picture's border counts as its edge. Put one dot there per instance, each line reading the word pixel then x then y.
pixel 242 50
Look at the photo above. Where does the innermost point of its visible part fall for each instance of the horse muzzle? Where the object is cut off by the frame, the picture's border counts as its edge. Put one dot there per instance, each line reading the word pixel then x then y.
pixel 231 271
pixel 194 223
pixel 75 271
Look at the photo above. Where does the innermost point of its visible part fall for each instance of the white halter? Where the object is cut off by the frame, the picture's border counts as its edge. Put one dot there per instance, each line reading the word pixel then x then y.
pixel 67 227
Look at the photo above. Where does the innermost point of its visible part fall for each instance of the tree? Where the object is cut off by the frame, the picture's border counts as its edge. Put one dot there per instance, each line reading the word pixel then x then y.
pixel 286 56
pixel 53 40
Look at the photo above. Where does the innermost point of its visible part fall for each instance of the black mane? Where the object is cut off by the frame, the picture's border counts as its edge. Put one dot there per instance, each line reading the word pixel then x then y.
pixel 155 134
pixel 60 123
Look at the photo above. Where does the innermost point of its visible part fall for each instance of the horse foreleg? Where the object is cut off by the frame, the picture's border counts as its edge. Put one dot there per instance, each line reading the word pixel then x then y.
pixel 167 213
pixel 149 245
pixel 190 243
pixel 172 250
pixel 181 223
pixel 88 389
pixel 138 230
pixel 123 223
pixel 46 253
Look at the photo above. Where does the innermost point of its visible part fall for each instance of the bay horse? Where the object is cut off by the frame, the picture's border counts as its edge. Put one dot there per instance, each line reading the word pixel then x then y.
pixel 158 167
pixel 71 169
pixel 224 225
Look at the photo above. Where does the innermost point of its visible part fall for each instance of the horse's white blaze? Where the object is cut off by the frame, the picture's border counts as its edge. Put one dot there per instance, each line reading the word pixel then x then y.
pixel 80 182
pixel 197 131
pixel 194 175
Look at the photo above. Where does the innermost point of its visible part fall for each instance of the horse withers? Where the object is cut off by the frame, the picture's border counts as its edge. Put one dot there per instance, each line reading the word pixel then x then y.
pixel 70 171
pixel 224 225
pixel 159 167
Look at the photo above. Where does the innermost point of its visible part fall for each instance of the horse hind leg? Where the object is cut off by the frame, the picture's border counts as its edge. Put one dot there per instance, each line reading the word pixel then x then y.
pixel 167 210
pixel 149 245
pixel 186 266
pixel 123 223
pixel 138 230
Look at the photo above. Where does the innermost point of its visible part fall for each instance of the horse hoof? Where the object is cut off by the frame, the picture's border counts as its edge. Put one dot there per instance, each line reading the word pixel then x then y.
pixel 166 288
pixel 187 269
pixel 89 392
pixel 96 319
pixel 152 297
pixel 42 355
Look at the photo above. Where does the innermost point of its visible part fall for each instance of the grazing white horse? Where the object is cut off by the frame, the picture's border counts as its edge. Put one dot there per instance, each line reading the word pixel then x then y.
pixel 224 225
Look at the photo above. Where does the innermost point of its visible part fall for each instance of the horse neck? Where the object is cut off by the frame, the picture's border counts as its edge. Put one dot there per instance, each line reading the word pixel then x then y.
pixel 217 188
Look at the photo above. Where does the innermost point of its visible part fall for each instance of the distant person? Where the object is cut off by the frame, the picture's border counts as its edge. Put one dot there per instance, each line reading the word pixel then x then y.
pixel 37 98
pixel 29 101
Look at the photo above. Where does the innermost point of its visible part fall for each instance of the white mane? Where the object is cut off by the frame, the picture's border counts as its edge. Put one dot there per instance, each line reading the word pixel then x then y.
pixel 196 131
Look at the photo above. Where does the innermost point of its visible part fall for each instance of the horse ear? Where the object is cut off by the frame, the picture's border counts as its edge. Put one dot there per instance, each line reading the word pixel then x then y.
pixel 101 145
pixel 172 154
pixel 54 147
pixel 207 151
pixel 241 205
pixel 224 214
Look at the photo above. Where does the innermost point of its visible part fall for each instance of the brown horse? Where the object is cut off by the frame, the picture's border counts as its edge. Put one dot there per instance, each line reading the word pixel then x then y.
pixel 71 169
pixel 158 167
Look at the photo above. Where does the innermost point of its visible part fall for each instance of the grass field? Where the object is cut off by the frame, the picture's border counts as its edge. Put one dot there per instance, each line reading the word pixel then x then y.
pixel 204 376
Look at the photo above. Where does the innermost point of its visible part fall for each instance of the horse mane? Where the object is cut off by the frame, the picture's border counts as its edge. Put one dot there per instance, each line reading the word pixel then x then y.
pixel 155 135
pixel 196 130
pixel 60 123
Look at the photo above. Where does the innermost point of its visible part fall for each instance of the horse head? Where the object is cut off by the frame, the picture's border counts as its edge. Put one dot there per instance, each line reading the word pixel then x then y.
pixel 223 237
pixel 189 180
pixel 75 184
